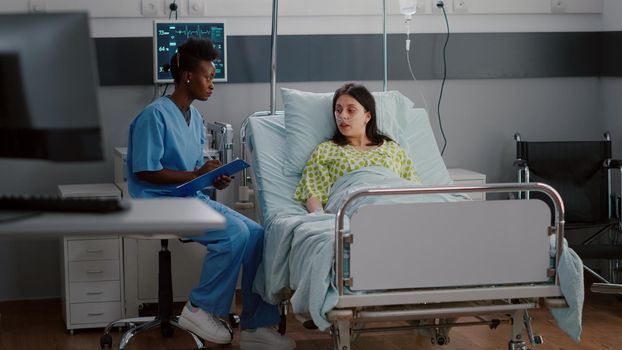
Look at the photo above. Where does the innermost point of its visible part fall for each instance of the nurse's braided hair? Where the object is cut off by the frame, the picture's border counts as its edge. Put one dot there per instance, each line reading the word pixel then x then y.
pixel 190 54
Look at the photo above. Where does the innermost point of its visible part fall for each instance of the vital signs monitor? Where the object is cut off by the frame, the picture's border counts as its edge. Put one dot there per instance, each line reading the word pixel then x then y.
pixel 167 35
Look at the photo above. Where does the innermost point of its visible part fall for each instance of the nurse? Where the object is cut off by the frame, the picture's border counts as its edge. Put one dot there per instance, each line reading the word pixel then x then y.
pixel 165 148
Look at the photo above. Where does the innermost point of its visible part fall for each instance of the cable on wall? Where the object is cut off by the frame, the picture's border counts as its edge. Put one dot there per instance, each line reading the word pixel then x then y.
pixel 440 96
pixel 173 8
pixel 164 92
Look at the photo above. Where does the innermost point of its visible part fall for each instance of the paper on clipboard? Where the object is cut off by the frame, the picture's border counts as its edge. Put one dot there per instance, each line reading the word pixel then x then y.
pixel 191 187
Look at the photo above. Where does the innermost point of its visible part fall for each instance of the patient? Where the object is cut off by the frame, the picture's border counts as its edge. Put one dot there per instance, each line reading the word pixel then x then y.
pixel 356 144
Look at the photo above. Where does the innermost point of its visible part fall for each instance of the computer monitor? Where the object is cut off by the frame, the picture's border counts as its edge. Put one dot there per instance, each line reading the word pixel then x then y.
pixel 167 35
pixel 48 88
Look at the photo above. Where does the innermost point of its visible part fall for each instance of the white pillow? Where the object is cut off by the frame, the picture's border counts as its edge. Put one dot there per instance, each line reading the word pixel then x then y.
pixel 309 121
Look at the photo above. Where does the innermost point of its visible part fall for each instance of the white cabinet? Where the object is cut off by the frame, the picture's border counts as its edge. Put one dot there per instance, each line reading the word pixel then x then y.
pixel 91 272
pixel 140 256
pixel 467 177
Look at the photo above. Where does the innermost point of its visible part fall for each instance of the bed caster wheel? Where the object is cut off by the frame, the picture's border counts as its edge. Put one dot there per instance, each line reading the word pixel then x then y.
pixel 234 320
pixel 440 340
pixel 517 345
pixel 440 336
pixel 538 340
pixel 105 341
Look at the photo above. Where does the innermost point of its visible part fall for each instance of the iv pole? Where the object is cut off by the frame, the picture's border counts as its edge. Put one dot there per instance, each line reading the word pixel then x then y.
pixel 384 43
pixel 273 56
pixel 273 52
pixel 275 15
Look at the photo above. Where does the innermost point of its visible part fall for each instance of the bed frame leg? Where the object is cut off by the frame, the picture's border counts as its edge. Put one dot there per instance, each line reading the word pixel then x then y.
pixel 521 322
pixel 517 342
pixel 340 330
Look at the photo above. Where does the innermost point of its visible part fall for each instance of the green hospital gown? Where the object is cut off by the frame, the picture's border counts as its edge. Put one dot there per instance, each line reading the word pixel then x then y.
pixel 330 161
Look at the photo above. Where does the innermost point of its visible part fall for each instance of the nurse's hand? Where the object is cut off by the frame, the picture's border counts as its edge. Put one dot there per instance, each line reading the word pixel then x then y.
pixel 222 182
pixel 208 166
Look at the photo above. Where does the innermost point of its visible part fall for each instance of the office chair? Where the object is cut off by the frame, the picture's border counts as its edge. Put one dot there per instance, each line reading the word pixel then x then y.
pixel 165 319
pixel 581 171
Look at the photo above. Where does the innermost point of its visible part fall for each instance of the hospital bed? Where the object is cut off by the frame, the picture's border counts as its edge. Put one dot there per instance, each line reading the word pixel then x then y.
pixel 427 265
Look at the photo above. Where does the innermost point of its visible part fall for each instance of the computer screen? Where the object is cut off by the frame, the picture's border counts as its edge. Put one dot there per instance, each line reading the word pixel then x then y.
pixel 48 88
pixel 167 35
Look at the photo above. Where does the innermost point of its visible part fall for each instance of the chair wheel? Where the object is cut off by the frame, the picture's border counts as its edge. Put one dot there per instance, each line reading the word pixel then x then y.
pixel 234 320
pixel 105 340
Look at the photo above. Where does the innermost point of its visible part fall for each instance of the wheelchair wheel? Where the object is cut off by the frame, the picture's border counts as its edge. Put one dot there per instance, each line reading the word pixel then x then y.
pixel 167 331
pixel 105 341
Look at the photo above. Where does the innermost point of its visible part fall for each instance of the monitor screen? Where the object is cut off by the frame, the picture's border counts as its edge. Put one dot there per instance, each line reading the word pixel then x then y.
pixel 167 35
pixel 48 88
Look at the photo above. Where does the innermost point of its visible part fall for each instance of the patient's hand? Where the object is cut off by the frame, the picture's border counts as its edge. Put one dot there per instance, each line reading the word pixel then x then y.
pixel 318 211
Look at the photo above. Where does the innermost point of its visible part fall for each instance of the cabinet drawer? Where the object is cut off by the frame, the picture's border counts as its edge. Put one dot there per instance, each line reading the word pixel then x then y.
pixel 92 249
pixel 89 292
pixel 84 271
pixel 95 312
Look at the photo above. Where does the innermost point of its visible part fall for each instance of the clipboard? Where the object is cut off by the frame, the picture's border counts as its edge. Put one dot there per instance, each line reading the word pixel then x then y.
pixel 191 187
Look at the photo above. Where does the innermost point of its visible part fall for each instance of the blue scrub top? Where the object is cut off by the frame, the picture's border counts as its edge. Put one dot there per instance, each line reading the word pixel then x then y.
pixel 160 138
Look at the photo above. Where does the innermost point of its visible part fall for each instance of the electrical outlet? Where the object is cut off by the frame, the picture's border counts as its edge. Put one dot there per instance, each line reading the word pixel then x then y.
pixel 149 8
pixel 420 6
pixel 437 9
pixel 196 7
pixel 558 6
pixel 37 5
pixel 460 6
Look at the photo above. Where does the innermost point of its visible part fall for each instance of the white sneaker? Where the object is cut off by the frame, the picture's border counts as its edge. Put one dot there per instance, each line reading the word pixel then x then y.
pixel 265 338
pixel 204 325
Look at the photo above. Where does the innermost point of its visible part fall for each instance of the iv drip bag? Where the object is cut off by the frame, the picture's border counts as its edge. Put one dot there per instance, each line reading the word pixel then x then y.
pixel 408 7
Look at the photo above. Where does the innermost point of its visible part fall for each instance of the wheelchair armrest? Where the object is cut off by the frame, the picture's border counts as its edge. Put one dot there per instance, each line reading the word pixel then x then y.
pixel 520 163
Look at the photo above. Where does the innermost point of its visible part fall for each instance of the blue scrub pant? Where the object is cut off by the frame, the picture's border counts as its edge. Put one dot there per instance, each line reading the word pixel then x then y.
pixel 239 243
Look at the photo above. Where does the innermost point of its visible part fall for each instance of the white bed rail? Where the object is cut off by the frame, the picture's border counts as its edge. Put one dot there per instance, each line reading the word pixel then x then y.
pixel 341 238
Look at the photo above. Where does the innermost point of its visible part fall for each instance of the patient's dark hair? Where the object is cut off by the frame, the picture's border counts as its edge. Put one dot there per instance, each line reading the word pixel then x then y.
pixel 190 54
pixel 366 99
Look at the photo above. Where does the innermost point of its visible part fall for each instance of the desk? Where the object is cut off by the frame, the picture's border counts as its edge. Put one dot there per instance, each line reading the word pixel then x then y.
pixel 185 216
pixel 164 218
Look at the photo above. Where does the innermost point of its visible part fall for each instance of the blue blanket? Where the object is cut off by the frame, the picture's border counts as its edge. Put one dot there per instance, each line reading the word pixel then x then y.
pixel 570 274
pixel 299 249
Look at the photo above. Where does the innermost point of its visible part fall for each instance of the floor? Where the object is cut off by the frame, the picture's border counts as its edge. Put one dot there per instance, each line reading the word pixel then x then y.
pixel 37 324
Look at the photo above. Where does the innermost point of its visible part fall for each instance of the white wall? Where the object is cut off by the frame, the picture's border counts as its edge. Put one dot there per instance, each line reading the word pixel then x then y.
pixel 120 18
pixel 612 15
pixel 479 116
pixel 612 87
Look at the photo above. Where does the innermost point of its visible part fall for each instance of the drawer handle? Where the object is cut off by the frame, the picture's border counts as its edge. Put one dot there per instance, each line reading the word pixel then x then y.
pixel 94 250
pixel 94 271
pixel 95 314
pixel 94 293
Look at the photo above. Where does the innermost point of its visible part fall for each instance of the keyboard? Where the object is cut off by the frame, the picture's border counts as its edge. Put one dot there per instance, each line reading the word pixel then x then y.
pixel 62 204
